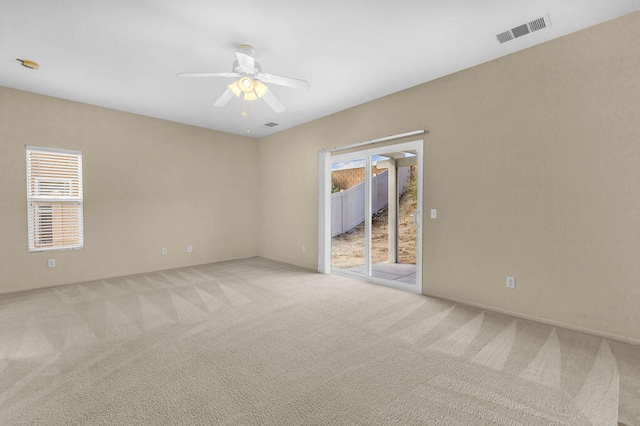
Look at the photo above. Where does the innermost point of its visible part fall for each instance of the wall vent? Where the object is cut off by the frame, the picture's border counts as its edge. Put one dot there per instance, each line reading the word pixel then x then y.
pixel 524 29
pixel 270 124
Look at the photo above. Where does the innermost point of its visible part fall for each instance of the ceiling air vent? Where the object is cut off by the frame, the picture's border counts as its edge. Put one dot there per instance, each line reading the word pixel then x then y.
pixel 523 29
pixel 270 124
pixel 538 24
pixel 505 36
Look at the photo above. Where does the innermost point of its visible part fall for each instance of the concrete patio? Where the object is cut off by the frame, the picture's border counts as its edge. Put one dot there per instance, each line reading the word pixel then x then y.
pixel 400 272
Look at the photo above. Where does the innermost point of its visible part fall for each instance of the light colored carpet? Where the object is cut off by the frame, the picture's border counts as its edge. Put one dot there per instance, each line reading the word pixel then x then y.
pixel 260 342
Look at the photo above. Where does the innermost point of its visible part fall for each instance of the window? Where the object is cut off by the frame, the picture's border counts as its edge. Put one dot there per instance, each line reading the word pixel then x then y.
pixel 54 199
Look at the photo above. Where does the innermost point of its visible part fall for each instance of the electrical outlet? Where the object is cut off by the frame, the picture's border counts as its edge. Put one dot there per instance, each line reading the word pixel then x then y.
pixel 303 249
pixel 164 251
pixel 51 263
pixel 434 213
pixel 511 282
pixel 189 249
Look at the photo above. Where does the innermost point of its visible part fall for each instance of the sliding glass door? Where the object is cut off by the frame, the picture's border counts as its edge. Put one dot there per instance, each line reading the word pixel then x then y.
pixel 348 205
pixel 374 214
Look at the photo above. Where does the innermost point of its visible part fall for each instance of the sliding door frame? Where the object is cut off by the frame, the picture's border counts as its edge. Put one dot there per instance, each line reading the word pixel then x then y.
pixel 325 159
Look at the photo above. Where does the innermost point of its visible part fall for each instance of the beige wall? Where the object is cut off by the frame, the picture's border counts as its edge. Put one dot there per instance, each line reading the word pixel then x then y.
pixel 148 184
pixel 533 162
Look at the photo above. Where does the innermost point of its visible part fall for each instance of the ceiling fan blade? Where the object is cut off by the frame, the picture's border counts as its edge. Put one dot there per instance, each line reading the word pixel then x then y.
pixel 281 80
pixel 209 74
pixel 247 63
pixel 224 98
pixel 273 102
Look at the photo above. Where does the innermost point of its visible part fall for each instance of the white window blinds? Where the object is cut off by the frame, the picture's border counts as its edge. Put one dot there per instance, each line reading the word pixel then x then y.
pixel 54 199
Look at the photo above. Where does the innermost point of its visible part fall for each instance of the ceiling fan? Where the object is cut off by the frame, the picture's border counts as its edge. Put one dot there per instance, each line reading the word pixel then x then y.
pixel 251 80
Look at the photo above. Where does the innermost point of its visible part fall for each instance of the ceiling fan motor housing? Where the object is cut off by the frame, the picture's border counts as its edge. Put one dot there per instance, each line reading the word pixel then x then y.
pixel 238 69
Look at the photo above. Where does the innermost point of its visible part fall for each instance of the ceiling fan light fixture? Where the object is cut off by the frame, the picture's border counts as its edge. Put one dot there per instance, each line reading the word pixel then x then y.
pixel 260 88
pixel 246 84
pixel 250 96
pixel 235 88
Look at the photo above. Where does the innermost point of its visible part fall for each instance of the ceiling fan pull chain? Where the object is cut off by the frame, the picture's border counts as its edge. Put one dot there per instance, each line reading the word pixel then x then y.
pixel 245 112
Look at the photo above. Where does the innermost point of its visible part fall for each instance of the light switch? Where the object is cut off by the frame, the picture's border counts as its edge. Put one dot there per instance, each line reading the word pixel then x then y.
pixel 434 213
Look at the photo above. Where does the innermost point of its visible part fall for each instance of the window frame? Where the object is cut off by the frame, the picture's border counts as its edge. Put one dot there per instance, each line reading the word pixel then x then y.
pixel 63 229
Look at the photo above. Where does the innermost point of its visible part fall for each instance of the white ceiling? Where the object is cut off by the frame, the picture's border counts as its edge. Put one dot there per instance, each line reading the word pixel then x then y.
pixel 125 54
